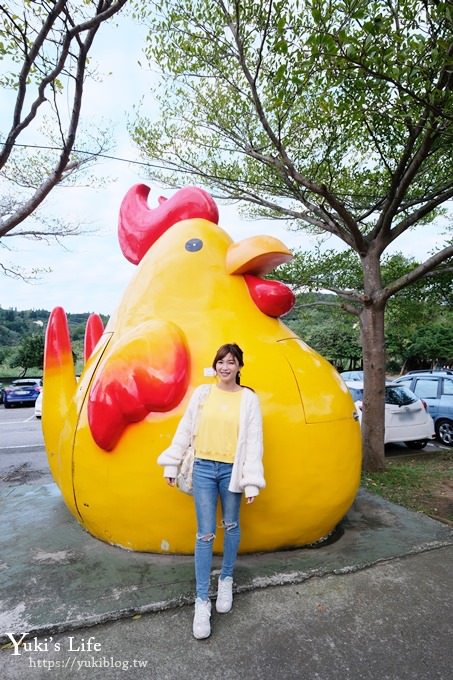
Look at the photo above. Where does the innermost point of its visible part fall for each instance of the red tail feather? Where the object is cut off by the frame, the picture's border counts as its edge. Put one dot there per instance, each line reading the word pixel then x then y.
pixel 58 342
pixel 93 331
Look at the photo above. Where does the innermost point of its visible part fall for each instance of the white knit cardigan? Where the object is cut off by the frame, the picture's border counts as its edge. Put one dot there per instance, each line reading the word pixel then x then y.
pixel 247 472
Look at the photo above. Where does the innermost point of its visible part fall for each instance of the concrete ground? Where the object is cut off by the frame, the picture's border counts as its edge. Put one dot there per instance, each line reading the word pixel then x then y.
pixel 373 604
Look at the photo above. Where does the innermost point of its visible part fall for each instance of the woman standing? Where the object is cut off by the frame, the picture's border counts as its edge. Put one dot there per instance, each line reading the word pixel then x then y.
pixel 228 441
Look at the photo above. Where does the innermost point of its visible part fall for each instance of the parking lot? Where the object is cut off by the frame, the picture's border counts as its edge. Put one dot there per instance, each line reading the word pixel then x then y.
pixel 403 450
pixel 22 455
pixel 23 458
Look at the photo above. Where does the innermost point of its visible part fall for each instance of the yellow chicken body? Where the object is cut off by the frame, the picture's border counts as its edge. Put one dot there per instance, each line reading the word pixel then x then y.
pixel 189 296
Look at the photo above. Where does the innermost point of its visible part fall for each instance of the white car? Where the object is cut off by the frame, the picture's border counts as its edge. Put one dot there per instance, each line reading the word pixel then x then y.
pixel 38 406
pixel 406 416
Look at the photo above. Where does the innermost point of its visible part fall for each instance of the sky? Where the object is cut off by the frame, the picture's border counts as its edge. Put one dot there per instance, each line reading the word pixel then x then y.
pixel 88 272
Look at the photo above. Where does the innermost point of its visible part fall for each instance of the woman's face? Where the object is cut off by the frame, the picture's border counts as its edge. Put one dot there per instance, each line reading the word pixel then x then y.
pixel 227 369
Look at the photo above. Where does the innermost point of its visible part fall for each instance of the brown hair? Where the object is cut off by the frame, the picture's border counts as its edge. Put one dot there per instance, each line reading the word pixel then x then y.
pixel 236 351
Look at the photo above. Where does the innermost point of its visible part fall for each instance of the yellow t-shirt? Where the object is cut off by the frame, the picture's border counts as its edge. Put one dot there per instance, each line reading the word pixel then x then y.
pixel 217 434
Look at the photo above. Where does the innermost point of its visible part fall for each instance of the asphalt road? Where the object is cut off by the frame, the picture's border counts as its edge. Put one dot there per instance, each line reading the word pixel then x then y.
pixel 22 455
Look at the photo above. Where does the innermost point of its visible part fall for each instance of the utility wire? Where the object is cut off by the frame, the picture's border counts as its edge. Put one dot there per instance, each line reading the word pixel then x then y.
pixel 127 160
pixel 88 153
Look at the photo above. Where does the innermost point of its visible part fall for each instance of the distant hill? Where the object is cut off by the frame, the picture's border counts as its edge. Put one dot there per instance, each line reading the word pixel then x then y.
pixel 15 324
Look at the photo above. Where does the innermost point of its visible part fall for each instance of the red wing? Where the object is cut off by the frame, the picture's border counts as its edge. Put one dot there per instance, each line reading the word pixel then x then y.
pixel 148 370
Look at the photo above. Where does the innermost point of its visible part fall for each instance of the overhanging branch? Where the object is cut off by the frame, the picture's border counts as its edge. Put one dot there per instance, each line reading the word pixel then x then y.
pixel 416 274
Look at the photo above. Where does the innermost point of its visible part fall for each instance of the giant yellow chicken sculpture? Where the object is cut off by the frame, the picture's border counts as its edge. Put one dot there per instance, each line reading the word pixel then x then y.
pixel 193 291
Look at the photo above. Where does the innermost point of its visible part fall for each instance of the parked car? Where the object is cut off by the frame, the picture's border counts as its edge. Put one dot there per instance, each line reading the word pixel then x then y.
pixel 38 402
pixel 447 371
pixel 38 406
pixel 352 375
pixel 406 416
pixel 23 391
pixel 436 389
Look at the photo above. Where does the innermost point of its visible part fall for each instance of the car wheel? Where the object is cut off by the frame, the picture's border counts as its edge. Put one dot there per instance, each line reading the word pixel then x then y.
pixel 444 431
pixel 419 444
pixel 7 405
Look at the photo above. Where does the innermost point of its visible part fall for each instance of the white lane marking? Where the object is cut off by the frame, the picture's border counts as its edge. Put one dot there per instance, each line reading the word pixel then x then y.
pixel 16 422
pixel 20 446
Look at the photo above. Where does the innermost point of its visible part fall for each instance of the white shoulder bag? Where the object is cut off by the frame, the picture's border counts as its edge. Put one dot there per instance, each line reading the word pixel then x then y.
pixel 185 472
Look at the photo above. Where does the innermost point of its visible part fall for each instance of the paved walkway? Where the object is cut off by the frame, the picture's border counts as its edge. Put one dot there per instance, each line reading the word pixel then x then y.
pixel 376 603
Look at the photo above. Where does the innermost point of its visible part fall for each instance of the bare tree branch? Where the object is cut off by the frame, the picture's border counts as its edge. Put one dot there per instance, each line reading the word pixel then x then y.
pixel 342 305
pixel 88 29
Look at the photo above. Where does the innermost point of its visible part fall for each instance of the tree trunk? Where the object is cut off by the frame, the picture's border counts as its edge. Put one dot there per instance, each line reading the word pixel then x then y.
pixel 373 347
pixel 372 328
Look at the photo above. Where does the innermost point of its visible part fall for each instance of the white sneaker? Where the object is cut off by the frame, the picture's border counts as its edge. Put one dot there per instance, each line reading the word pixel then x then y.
pixel 224 600
pixel 201 620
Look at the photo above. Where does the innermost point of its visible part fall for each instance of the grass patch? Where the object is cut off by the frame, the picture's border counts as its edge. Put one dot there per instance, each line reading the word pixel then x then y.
pixel 423 482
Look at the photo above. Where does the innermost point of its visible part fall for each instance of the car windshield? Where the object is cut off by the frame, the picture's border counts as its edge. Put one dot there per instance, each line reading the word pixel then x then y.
pixel 399 396
pixel 26 383
pixel 357 394
pixel 352 375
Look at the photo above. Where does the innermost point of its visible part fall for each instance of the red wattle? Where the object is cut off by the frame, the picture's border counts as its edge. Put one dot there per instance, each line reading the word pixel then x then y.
pixel 273 298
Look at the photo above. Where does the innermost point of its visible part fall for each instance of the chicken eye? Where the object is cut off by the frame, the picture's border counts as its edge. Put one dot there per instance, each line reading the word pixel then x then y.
pixel 194 244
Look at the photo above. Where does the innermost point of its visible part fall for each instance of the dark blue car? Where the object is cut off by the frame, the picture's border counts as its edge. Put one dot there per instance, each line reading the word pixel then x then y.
pixel 23 392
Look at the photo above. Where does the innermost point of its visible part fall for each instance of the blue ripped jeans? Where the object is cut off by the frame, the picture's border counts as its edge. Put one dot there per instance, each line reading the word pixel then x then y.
pixel 211 480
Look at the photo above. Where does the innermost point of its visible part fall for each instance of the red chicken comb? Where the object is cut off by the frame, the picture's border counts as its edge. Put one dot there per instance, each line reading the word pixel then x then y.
pixel 139 226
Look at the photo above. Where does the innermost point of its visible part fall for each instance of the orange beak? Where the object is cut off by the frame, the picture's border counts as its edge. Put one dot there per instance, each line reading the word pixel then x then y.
pixel 257 255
